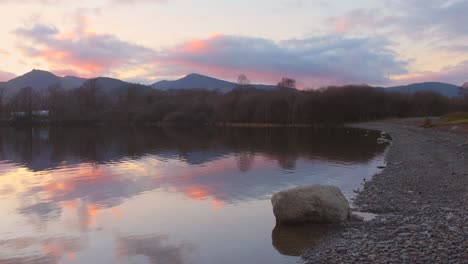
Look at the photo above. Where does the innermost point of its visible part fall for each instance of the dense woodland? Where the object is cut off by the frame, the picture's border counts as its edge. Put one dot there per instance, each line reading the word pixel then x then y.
pixel 142 105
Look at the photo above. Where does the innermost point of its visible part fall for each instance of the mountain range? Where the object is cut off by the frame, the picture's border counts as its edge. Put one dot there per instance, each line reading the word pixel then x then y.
pixel 446 89
pixel 41 80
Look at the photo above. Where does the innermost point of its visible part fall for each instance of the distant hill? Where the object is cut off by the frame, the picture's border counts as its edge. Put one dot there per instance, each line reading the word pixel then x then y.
pixel 446 89
pixel 40 81
pixel 71 82
pixel 116 88
pixel 109 85
pixel 198 81
pixel 195 81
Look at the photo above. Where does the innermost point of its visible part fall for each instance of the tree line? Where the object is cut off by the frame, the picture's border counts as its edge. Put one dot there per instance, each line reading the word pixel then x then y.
pixel 285 105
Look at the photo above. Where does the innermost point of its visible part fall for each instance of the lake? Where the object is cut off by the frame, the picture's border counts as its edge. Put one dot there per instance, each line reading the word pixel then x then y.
pixel 127 195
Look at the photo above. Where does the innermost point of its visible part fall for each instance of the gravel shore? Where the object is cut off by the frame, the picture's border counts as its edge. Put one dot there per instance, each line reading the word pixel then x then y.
pixel 421 198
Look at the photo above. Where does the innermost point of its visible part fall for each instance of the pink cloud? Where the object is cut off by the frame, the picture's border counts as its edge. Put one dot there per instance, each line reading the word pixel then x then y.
pixel 82 51
pixel 316 61
pixel 313 61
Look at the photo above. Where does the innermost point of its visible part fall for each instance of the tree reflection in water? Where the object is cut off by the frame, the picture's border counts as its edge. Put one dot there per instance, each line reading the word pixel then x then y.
pixel 69 186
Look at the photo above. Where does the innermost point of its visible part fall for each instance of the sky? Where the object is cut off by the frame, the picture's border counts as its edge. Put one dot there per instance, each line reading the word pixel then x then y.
pixel 316 42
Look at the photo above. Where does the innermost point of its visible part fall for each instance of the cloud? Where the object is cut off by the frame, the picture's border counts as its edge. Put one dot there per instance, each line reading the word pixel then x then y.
pixel 457 75
pixel 431 26
pixel 6 76
pixel 138 1
pixel 39 2
pixel 82 51
pixel 53 250
pixel 412 18
pixel 157 249
pixel 457 49
pixel 314 61
pixel 446 19
pixel 54 2
pixel 38 31
pixel 360 19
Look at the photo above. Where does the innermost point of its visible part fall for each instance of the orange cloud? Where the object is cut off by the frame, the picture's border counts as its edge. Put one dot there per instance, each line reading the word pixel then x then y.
pixel 195 46
pixel 83 176
pixel 217 204
pixel 196 192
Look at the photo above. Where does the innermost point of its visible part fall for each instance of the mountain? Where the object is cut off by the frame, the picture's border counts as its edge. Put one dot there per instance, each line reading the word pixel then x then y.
pixel 109 85
pixel 195 81
pixel 446 89
pixel 116 88
pixel 70 82
pixel 40 81
pixel 198 81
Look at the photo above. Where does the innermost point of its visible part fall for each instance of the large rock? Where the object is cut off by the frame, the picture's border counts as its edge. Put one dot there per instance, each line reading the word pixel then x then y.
pixel 315 204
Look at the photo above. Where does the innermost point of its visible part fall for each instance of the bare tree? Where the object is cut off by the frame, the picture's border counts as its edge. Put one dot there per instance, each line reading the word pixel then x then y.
pixel 287 83
pixel 243 81
pixel 25 100
pixel 91 99
pixel 463 90
pixel 245 161
pixel 56 101
pixel 464 96
pixel 2 107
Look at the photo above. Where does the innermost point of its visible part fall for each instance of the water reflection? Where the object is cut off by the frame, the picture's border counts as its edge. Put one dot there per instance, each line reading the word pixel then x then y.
pixel 91 185
pixel 158 249
pixel 42 148
pixel 49 250
pixel 294 240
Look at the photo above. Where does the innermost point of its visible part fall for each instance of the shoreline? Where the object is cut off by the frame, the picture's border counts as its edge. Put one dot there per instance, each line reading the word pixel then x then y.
pixel 420 198
pixel 4 123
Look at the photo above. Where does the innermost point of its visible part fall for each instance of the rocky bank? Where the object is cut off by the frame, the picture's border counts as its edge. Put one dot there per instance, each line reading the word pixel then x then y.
pixel 421 198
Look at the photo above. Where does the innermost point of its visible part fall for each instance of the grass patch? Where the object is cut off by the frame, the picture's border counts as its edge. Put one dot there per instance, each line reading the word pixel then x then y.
pixel 459 118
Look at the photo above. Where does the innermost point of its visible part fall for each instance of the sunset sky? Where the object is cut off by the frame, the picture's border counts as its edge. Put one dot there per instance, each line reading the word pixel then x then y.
pixel 317 42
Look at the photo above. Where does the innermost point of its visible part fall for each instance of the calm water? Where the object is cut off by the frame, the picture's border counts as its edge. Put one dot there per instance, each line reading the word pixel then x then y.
pixel 87 195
